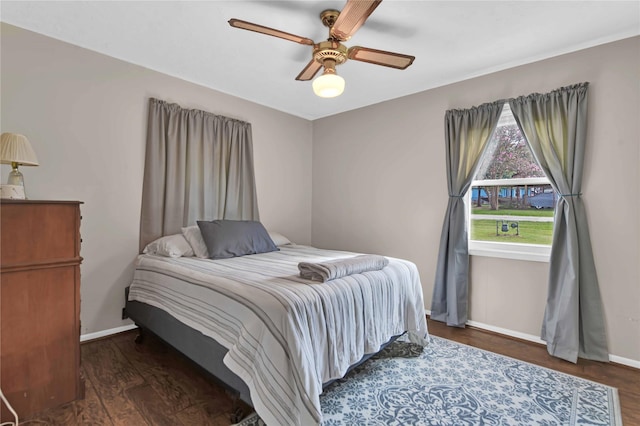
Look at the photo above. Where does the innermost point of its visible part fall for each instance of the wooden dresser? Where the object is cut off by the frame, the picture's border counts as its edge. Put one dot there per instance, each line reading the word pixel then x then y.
pixel 39 305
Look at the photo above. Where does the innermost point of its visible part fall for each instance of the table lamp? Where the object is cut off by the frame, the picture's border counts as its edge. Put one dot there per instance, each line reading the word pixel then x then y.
pixel 16 150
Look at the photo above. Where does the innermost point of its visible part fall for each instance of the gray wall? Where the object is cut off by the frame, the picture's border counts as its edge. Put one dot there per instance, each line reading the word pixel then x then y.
pixel 85 115
pixel 379 186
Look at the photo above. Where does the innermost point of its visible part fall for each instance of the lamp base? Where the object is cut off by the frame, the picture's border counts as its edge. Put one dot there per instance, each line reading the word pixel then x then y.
pixel 14 189
pixel 12 192
pixel 15 177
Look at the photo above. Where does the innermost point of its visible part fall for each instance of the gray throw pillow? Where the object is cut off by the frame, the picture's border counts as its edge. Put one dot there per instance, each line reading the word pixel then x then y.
pixel 232 238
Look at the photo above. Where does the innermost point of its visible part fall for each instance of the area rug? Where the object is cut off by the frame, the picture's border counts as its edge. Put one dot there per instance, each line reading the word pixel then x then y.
pixel 448 383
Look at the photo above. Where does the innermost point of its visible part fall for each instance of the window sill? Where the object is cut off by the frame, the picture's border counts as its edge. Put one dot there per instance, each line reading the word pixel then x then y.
pixel 528 252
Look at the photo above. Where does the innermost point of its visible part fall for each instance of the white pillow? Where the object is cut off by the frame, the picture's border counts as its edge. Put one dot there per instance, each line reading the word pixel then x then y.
pixel 170 246
pixel 279 239
pixel 194 237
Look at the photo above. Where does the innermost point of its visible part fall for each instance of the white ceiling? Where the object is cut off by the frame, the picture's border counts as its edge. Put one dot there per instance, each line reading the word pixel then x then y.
pixel 451 40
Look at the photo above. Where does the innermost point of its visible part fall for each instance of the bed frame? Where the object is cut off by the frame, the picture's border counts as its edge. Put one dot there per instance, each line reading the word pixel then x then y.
pixel 203 350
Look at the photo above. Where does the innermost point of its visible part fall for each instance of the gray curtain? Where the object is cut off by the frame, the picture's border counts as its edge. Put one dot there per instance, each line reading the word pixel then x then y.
pixel 555 124
pixel 198 166
pixel 467 133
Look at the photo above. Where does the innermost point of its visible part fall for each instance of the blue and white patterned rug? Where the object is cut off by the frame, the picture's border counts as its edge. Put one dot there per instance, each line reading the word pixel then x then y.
pixel 449 383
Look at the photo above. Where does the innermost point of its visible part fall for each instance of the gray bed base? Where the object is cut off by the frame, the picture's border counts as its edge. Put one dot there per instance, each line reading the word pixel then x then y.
pixel 201 349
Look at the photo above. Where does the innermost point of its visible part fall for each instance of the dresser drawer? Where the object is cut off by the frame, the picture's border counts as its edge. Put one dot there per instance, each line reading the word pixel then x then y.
pixel 38 234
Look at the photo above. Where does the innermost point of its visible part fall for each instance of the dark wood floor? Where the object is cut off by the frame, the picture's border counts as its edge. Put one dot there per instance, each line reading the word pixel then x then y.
pixel 151 384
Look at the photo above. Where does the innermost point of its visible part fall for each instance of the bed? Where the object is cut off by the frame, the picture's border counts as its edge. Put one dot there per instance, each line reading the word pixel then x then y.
pixel 262 329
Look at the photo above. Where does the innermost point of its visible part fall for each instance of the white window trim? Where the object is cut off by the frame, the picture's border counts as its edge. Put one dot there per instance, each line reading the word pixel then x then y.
pixel 529 252
pixel 533 181
pixel 516 251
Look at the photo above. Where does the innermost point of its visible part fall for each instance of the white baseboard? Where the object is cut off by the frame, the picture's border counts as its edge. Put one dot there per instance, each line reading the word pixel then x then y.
pixel 105 333
pixel 535 339
pixel 506 331
pixel 624 361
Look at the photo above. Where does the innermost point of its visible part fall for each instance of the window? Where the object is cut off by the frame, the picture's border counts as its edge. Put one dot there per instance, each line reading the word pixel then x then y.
pixel 511 202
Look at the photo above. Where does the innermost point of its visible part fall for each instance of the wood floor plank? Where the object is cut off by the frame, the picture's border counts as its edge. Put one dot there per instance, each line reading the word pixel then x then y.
pixel 152 407
pixel 202 415
pixel 111 366
pixel 119 407
pixel 147 355
pixel 111 375
pixel 88 411
pixel 171 387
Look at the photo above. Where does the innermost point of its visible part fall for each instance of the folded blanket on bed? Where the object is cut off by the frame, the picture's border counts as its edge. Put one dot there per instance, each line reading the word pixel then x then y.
pixel 338 268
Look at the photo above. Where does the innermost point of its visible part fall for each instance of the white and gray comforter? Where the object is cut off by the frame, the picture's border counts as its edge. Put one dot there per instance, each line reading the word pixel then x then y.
pixel 286 335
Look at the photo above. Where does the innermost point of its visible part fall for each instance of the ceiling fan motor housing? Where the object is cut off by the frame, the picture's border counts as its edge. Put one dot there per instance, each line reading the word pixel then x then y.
pixel 330 50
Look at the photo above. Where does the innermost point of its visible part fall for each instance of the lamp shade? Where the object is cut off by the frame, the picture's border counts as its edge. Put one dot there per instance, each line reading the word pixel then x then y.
pixel 15 148
pixel 328 85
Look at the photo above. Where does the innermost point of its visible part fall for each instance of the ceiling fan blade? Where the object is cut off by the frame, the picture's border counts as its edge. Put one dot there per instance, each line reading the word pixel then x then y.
pixel 353 15
pixel 309 71
pixel 244 25
pixel 380 57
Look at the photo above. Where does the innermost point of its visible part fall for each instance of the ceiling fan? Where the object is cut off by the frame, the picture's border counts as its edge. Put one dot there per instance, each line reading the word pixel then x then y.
pixel 330 53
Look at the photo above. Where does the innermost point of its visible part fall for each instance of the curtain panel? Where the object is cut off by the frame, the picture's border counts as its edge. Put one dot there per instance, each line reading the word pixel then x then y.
pixel 467 133
pixel 198 166
pixel 555 125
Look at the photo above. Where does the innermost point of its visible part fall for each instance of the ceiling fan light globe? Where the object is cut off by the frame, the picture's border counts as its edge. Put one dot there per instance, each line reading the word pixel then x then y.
pixel 328 85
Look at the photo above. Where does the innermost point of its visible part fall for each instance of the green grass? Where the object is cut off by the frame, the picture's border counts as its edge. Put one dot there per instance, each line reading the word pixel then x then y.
pixel 530 232
pixel 514 212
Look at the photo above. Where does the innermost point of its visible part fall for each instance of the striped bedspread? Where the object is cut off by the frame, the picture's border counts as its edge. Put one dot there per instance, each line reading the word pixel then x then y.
pixel 286 335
